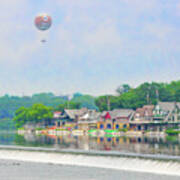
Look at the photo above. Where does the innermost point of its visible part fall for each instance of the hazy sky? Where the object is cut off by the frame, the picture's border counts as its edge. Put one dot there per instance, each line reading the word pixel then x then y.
pixel 93 45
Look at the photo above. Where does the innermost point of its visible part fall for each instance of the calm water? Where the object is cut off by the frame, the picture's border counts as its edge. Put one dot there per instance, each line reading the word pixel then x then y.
pixel 146 145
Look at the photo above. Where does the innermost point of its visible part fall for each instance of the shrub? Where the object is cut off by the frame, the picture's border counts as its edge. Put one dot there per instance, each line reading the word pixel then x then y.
pixel 39 129
pixel 61 129
pixel 22 128
pixel 123 130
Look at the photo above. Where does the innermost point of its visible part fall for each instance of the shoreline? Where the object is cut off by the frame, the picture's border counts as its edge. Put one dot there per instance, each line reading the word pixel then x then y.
pixel 121 163
pixel 95 133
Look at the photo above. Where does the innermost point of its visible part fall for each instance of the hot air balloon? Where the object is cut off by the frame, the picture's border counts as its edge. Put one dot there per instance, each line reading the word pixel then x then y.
pixel 43 22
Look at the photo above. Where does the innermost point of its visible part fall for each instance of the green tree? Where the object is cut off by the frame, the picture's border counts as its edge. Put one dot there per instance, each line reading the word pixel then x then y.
pixel 123 89
pixel 20 117
pixel 177 95
pixel 34 114
pixel 101 103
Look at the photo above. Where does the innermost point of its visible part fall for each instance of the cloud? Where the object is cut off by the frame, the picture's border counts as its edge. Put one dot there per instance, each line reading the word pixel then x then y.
pixel 93 46
pixel 104 40
pixel 14 33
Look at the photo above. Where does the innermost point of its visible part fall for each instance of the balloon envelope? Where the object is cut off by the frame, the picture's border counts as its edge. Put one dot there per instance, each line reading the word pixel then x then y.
pixel 43 22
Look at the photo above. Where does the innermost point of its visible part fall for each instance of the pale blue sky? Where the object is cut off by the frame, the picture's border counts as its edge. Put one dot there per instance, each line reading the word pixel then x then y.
pixel 93 45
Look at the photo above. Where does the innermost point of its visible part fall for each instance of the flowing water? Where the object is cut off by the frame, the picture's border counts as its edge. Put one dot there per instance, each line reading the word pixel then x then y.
pixel 116 163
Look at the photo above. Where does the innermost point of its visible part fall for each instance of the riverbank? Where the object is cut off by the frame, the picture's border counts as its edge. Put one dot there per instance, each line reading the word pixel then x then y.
pixel 94 132
pixel 135 164
pixel 19 170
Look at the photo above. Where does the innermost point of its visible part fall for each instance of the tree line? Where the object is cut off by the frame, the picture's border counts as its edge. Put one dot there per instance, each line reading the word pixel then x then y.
pixel 146 93
pixel 30 108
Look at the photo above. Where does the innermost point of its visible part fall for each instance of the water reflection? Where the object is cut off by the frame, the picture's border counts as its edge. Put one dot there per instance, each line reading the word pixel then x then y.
pixel 147 145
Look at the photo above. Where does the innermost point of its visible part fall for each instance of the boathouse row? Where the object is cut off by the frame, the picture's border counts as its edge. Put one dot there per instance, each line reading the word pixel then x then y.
pixel 148 118
pixel 157 118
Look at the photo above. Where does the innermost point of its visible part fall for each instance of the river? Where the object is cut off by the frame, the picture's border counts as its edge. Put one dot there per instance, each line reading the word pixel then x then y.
pixel 169 145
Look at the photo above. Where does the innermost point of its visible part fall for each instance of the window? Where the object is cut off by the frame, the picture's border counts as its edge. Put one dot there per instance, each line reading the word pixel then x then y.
pixel 124 126
pixel 145 127
pixel 117 126
pixel 101 126
pixel 108 126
